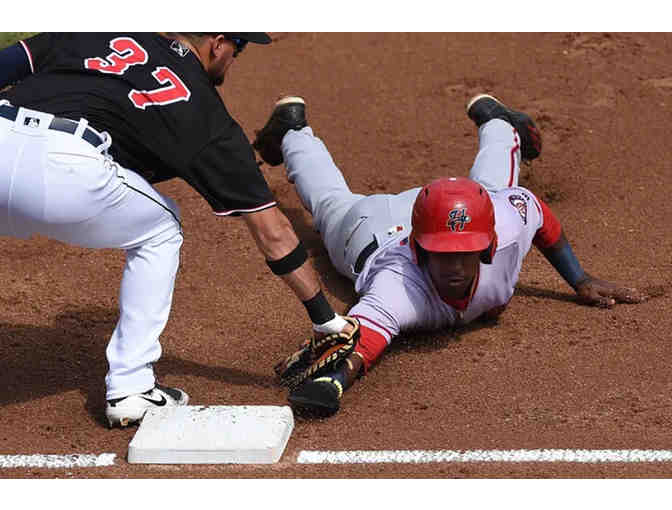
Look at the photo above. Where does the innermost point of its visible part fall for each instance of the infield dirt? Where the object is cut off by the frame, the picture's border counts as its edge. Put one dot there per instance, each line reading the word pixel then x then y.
pixel 550 374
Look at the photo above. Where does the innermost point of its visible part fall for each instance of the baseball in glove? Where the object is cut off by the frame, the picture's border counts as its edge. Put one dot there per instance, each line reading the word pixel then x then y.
pixel 317 356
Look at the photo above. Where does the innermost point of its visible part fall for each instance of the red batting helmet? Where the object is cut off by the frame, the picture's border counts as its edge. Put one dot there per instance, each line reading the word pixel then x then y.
pixel 454 214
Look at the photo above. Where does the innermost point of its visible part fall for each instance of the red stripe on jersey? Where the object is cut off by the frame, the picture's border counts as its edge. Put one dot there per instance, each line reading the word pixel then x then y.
pixel 537 206
pixel 370 346
pixel 387 331
pixel 30 56
pixel 256 209
pixel 513 157
pixel 550 232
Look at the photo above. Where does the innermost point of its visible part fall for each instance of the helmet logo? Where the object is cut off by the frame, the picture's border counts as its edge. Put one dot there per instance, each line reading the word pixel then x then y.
pixel 457 219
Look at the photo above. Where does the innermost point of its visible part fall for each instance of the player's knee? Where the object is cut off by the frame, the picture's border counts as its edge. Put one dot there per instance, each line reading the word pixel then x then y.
pixel 170 239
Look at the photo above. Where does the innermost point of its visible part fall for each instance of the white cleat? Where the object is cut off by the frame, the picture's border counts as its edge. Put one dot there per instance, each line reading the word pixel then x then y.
pixel 126 410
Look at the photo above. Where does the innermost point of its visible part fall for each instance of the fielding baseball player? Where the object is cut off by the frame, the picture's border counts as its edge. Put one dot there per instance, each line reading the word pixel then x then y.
pixel 442 255
pixel 93 120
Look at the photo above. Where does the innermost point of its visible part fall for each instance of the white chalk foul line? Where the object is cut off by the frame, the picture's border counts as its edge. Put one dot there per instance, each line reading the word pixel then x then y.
pixel 433 456
pixel 57 461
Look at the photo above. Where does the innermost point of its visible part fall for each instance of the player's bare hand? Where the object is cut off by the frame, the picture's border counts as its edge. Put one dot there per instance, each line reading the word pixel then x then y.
pixel 604 294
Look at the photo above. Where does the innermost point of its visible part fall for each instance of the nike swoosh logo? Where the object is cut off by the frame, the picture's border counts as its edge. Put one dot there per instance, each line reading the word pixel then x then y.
pixel 161 402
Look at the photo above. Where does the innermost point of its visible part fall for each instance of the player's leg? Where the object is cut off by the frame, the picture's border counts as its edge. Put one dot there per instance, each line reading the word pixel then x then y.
pixel 319 183
pixel 58 185
pixel 351 225
pixel 505 138
pixel 287 138
pixel 144 223
pixel 152 246
pixel 322 190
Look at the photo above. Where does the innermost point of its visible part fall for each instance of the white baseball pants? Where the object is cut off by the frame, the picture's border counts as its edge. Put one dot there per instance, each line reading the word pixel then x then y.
pixel 60 186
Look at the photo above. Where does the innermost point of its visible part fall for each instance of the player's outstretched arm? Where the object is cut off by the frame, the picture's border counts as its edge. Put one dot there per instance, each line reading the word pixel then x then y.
pixel 287 258
pixel 320 395
pixel 591 290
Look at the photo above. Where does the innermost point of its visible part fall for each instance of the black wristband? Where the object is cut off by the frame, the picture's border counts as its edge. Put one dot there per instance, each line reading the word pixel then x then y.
pixel 319 309
pixel 290 262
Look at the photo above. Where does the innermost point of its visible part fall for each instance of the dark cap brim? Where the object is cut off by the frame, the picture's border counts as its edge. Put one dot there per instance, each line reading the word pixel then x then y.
pixel 254 37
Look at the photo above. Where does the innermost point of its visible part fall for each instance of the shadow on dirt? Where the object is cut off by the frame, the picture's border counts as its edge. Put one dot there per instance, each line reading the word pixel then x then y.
pixel 529 291
pixel 335 283
pixel 436 340
pixel 39 361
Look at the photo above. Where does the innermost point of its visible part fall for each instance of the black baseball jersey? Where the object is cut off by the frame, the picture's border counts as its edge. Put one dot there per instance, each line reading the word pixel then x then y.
pixel 157 102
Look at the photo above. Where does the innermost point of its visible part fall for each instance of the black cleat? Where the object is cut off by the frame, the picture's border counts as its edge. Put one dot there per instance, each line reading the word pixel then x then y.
pixel 289 113
pixel 482 108
pixel 318 398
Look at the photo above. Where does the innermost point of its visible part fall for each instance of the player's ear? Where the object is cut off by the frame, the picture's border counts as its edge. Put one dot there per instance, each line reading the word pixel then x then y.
pixel 219 45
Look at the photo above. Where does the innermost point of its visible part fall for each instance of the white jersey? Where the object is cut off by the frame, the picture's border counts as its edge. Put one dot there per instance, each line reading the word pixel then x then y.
pixel 398 295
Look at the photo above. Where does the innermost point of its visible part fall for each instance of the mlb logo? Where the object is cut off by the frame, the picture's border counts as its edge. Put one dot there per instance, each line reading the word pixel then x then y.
pixel 31 122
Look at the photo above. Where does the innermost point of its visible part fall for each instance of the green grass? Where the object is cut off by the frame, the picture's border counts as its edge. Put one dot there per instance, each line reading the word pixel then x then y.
pixel 9 38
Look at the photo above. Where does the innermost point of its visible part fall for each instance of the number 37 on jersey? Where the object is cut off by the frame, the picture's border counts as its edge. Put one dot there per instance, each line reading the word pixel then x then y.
pixel 126 52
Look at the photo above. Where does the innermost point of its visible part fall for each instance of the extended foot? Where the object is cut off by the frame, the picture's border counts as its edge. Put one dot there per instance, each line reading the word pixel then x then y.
pixel 483 107
pixel 289 113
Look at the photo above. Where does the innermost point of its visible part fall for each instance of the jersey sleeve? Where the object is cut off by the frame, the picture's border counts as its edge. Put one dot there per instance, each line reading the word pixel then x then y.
pixel 226 174
pixel 550 230
pixel 392 302
pixel 14 65
pixel 396 300
pixel 370 346
pixel 37 49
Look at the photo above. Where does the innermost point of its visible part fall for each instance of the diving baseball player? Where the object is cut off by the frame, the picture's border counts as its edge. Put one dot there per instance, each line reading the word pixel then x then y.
pixel 431 257
pixel 92 121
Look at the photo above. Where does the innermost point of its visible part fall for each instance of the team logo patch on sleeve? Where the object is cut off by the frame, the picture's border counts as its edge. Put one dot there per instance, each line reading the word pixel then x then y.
pixel 521 206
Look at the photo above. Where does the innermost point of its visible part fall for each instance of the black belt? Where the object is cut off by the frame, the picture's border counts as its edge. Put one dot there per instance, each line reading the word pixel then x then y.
pixel 57 124
pixel 364 254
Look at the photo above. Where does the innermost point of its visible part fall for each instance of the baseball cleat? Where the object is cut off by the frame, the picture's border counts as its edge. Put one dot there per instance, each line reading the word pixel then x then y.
pixel 126 410
pixel 318 398
pixel 482 108
pixel 289 113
